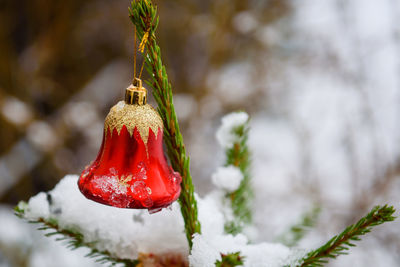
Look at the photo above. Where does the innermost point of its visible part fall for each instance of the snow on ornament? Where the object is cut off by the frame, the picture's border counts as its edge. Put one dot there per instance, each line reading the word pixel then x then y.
pixel 130 170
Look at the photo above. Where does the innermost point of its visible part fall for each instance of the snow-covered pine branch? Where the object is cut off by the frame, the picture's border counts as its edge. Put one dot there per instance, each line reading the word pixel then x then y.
pixel 128 234
pixel 234 177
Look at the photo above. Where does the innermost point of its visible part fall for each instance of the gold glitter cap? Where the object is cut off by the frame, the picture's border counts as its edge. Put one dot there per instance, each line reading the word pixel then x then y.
pixel 141 117
pixel 136 94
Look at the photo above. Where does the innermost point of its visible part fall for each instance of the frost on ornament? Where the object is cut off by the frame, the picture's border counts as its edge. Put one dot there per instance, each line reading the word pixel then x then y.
pixel 226 133
pixel 227 178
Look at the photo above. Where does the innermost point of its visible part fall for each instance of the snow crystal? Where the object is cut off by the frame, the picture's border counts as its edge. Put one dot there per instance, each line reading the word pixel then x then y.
pixel 227 178
pixel 225 134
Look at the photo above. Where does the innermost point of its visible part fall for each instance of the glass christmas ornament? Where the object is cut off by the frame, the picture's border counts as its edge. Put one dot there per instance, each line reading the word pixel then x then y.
pixel 130 170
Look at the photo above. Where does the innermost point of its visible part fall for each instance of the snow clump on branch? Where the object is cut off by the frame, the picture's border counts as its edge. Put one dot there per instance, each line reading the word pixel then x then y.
pixel 227 178
pixel 226 135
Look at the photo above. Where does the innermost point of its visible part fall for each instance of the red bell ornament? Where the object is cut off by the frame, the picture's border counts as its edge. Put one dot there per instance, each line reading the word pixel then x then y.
pixel 130 170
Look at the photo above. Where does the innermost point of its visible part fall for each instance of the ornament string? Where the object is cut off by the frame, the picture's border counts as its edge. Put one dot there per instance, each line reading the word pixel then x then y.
pixel 141 68
pixel 142 49
pixel 134 56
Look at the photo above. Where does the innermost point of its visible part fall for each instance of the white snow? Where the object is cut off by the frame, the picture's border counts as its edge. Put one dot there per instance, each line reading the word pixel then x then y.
pixel 206 251
pixel 20 240
pixel 123 232
pixel 227 178
pixel 211 214
pixel 127 232
pixel 225 134
pixel 38 207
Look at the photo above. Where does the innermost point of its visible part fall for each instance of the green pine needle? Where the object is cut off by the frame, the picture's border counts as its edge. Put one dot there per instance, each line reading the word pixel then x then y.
pixel 299 230
pixel 230 260
pixel 340 244
pixel 144 16
pixel 73 239
pixel 240 199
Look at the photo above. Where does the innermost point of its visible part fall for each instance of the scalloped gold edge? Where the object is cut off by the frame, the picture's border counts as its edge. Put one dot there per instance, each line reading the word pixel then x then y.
pixel 143 117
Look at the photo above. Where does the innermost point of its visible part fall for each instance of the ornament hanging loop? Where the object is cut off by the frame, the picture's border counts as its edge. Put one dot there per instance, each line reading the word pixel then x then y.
pixel 136 94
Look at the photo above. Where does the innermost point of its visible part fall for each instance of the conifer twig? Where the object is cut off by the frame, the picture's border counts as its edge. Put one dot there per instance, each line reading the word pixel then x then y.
pixel 238 155
pixel 144 16
pixel 299 230
pixel 339 244
pixel 230 260
pixel 74 239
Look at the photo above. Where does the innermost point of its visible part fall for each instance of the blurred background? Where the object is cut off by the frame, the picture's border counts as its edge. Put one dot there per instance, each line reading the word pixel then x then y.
pixel 320 80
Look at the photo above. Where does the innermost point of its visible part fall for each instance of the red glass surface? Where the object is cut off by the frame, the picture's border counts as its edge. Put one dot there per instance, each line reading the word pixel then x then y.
pixel 126 175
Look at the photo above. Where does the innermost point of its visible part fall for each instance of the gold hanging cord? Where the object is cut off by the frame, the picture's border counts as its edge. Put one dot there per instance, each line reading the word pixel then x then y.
pixel 136 94
pixel 142 49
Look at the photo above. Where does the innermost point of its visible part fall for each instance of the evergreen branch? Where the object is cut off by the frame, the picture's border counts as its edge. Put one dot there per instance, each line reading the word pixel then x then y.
pixel 74 239
pixel 299 230
pixel 144 16
pixel 230 260
pixel 339 244
pixel 240 199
